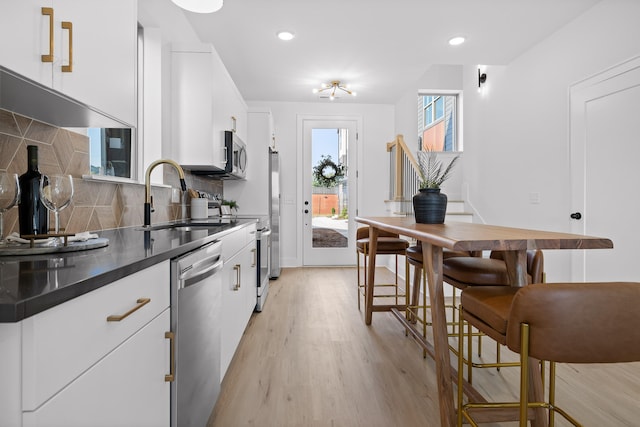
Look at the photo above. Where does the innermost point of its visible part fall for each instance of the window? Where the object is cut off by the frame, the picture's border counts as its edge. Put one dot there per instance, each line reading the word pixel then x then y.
pixel 110 152
pixel 437 122
pixel 113 151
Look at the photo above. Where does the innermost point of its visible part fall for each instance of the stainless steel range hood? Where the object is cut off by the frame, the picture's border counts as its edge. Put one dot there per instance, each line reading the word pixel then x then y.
pixel 34 100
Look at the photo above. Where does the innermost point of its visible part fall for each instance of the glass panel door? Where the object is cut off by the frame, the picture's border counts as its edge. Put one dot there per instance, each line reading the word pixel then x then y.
pixel 329 190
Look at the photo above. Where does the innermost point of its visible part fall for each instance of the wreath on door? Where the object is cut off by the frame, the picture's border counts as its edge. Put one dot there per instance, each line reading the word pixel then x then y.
pixel 327 173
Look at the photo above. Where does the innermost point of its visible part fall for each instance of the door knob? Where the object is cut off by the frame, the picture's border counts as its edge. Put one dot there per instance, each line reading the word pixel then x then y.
pixel 306 211
pixel 576 215
pixel 306 202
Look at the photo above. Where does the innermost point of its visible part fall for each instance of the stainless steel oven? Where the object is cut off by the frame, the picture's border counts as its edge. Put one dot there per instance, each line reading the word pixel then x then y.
pixel 264 254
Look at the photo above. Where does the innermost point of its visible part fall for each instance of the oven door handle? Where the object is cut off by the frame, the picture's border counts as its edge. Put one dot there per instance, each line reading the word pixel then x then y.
pixel 196 274
pixel 264 233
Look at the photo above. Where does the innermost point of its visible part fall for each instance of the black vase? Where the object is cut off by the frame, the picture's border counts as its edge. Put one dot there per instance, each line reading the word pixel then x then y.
pixel 430 206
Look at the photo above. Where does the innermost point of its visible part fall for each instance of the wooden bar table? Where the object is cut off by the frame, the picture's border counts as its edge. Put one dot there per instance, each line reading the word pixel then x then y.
pixel 460 236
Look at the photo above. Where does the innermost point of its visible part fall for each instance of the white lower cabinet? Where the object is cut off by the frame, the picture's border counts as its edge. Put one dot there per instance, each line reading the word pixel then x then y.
pixel 100 359
pixel 239 290
pixel 125 388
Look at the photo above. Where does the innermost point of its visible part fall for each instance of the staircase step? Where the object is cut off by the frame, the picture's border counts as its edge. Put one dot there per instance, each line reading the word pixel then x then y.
pixel 455 206
pixel 458 217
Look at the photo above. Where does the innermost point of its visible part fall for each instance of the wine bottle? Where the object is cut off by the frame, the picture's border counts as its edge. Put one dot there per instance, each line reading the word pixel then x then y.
pixel 33 215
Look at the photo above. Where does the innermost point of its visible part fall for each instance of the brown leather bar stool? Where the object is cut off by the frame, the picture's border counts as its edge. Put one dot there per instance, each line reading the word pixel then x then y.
pixel 478 271
pixel 414 258
pixel 388 244
pixel 561 322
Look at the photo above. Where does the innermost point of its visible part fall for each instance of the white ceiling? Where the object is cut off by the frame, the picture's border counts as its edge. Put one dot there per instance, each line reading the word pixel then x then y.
pixel 380 47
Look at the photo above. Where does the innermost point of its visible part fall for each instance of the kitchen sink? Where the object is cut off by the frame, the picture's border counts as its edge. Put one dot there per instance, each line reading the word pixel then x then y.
pixel 183 225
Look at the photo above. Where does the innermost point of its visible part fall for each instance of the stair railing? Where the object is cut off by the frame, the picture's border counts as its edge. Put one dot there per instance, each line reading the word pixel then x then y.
pixel 404 177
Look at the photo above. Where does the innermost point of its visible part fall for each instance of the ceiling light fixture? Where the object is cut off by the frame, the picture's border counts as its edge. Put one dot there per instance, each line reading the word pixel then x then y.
pixel 333 89
pixel 199 6
pixel 455 41
pixel 285 35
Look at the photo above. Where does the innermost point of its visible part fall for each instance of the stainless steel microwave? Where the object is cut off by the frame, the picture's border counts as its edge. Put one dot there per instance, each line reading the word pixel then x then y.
pixel 236 155
pixel 232 162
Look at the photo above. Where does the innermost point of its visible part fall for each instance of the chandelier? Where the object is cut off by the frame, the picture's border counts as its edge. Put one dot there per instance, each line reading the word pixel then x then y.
pixel 334 89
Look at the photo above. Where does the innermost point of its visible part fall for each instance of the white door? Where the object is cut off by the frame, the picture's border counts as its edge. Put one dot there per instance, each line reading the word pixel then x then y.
pixel 329 195
pixel 604 171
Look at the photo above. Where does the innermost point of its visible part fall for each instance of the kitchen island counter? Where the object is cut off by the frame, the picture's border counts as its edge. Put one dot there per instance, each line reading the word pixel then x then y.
pixel 31 284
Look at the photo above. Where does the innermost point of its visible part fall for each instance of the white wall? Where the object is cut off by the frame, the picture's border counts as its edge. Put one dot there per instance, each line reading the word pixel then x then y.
pixel 516 133
pixel 373 162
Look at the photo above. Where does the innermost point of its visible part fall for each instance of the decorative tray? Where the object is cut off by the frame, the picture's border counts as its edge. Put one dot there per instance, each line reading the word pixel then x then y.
pixel 13 248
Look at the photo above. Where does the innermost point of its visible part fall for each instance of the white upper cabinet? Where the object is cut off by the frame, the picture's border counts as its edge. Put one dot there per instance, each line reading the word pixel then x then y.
pixel 205 102
pixel 253 194
pixel 92 44
pixel 25 31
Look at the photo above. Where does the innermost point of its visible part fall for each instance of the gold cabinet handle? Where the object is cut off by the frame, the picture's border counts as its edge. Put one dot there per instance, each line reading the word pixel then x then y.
pixel 68 26
pixel 118 317
pixel 48 11
pixel 255 257
pixel 238 277
pixel 171 336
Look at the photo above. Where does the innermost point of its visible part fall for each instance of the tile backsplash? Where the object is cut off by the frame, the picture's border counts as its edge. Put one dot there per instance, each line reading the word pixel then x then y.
pixel 97 205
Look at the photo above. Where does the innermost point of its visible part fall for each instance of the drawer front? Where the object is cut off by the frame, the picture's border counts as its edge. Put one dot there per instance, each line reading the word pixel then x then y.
pixel 232 243
pixel 61 343
pixel 124 389
pixel 251 233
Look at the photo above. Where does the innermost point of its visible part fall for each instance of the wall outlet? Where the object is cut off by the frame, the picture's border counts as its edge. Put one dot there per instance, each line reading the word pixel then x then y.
pixel 175 195
pixel 534 198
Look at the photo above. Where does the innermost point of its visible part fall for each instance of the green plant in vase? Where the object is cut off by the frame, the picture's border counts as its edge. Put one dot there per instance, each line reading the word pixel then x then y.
pixel 430 169
pixel 231 203
pixel 230 206
pixel 429 204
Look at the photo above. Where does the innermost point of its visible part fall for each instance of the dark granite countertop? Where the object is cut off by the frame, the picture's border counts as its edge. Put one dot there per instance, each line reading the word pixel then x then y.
pixel 30 284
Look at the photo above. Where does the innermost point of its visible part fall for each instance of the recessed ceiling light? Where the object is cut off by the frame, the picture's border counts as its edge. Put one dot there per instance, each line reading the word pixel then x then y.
pixel 285 35
pixel 456 41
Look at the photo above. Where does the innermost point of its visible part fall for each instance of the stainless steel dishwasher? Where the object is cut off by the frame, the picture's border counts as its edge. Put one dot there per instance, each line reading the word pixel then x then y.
pixel 196 292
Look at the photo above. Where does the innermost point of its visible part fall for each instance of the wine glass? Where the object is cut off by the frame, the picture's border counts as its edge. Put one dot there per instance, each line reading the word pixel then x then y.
pixel 9 196
pixel 56 193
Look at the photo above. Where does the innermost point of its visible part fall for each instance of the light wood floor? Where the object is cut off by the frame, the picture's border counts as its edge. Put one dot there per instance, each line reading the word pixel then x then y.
pixel 309 360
